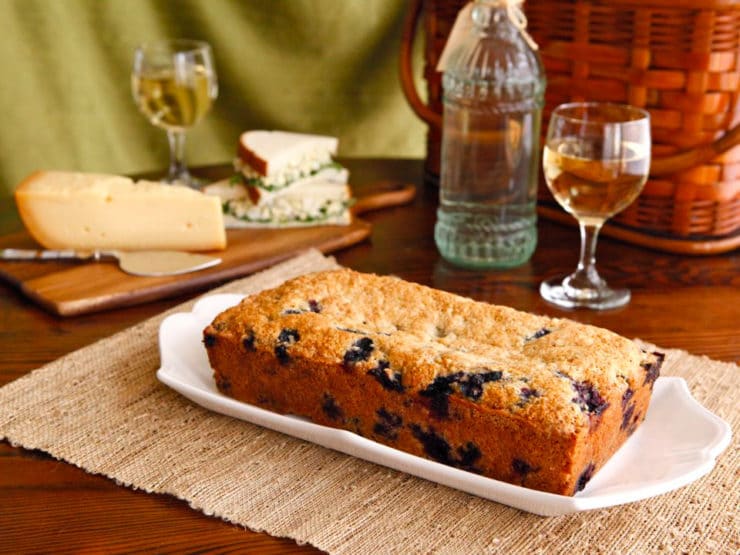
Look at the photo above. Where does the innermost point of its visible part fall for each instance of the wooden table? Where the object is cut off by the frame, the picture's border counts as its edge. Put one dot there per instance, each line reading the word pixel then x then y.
pixel 48 506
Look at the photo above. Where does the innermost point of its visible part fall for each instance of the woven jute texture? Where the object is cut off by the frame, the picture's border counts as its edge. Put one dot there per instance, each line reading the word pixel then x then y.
pixel 102 409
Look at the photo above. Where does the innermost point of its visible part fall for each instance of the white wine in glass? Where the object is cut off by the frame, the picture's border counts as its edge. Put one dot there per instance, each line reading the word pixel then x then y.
pixel 596 161
pixel 174 85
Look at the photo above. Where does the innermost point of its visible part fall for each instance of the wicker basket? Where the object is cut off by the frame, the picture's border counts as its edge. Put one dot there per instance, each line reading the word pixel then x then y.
pixel 679 59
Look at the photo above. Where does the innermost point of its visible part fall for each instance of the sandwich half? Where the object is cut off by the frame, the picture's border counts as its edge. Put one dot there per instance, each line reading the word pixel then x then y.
pixel 271 161
pixel 317 202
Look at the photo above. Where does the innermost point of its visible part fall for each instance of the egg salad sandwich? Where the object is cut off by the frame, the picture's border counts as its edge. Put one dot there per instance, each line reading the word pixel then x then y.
pixel 285 179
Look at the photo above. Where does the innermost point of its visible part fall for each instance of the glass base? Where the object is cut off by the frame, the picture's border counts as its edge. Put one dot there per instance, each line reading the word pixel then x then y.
pixel 561 292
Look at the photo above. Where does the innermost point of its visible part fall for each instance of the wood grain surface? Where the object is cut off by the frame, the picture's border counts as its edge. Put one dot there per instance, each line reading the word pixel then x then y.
pixel 684 302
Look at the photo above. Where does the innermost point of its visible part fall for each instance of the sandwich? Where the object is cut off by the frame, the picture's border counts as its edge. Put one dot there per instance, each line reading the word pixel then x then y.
pixel 285 179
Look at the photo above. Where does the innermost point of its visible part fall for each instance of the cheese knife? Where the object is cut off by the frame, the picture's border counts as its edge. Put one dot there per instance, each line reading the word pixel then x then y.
pixel 137 263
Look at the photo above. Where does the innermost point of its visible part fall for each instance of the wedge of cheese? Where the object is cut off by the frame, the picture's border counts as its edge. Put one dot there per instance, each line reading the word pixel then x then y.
pixel 68 210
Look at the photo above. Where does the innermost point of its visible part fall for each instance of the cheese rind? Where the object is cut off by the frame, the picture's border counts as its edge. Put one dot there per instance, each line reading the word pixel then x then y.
pixel 99 211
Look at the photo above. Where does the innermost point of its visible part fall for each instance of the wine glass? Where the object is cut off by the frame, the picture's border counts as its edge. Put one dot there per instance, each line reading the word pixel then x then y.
pixel 174 85
pixel 596 161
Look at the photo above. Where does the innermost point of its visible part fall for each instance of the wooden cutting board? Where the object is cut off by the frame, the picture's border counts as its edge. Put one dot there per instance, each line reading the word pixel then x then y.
pixel 74 288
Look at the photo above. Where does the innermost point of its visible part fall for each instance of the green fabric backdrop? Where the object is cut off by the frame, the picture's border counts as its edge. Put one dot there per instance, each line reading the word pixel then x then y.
pixel 322 66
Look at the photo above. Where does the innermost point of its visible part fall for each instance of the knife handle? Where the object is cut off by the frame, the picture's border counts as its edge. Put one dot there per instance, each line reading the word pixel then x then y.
pixel 45 254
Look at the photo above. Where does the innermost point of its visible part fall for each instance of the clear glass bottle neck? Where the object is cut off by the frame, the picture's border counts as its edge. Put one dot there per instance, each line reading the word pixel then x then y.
pixel 491 17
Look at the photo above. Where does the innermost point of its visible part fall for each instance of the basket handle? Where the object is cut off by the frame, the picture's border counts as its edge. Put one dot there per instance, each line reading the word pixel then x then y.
pixel 406 70
pixel 686 159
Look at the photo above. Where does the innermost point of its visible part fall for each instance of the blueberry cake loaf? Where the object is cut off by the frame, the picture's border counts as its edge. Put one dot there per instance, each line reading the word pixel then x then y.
pixel 531 400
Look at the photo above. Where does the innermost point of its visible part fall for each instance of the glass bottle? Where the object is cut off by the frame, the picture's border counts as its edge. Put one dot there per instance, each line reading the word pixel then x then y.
pixel 493 93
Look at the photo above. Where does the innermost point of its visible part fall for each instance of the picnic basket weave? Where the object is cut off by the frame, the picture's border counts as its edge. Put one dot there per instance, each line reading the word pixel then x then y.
pixel 679 59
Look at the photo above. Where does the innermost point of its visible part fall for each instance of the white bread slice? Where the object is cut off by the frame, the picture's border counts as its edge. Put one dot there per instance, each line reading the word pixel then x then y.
pixel 72 210
pixel 269 152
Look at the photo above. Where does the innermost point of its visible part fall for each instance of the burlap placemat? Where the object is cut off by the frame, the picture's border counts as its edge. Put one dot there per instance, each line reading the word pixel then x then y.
pixel 102 409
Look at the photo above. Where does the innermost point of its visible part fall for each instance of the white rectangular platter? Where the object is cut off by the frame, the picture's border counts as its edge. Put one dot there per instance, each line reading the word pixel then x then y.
pixel 678 442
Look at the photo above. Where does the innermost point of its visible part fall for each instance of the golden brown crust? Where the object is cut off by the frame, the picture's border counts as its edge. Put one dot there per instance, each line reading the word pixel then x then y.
pixel 251 159
pixel 532 400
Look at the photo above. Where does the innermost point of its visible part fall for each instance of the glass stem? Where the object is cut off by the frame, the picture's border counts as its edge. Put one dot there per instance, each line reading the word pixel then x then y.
pixel 586 272
pixel 178 170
